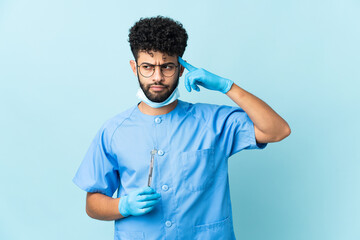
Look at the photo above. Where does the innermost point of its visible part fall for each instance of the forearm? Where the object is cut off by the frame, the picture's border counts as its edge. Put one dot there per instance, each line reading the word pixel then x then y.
pixel 102 207
pixel 265 119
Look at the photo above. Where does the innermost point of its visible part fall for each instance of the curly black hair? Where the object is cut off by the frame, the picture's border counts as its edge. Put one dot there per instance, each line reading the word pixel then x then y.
pixel 159 33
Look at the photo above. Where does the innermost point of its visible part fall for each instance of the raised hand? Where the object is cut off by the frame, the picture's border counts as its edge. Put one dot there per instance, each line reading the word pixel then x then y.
pixel 199 76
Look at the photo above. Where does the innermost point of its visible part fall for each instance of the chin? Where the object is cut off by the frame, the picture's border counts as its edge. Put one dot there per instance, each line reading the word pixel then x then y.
pixel 158 99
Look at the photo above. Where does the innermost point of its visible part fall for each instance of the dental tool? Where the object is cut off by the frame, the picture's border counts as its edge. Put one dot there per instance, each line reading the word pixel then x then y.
pixel 153 152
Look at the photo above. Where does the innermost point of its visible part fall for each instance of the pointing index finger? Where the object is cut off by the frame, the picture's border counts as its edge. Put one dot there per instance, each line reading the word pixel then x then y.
pixel 188 66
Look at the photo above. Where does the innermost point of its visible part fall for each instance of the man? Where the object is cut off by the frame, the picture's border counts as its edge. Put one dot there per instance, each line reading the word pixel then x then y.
pixel 183 146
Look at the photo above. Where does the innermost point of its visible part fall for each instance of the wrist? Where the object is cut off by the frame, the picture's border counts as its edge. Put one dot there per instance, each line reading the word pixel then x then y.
pixel 122 206
pixel 227 85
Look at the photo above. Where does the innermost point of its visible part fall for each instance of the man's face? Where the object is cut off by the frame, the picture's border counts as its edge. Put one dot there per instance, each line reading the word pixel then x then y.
pixel 158 87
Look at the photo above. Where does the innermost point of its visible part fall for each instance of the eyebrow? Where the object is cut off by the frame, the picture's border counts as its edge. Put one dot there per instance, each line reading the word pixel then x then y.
pixel 159 64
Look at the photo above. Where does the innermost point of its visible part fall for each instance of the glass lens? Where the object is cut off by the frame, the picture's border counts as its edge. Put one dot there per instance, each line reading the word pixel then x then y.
pixel 168 69
pixel 147 69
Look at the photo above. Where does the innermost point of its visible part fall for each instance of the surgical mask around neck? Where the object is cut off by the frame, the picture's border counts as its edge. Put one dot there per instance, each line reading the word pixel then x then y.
pixel 141 95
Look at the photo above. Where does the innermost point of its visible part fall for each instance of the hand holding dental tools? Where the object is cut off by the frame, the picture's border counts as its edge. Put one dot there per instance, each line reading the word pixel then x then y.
pixel 152 153
pixel 138 202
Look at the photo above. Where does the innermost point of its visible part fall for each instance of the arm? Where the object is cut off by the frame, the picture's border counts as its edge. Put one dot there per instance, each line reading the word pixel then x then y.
pixel 102 207
pixel 136 203
pixel 269 126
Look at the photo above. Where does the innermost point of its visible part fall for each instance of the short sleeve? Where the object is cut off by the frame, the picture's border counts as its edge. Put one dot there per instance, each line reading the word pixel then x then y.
pixel 98 171
pixel 235 130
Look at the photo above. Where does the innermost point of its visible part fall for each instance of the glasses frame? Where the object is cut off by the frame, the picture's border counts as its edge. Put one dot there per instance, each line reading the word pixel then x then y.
pixel 138 66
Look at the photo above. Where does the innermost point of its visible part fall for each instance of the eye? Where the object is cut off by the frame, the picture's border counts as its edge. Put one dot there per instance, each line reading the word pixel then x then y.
pixel 169 66
pixel 147 66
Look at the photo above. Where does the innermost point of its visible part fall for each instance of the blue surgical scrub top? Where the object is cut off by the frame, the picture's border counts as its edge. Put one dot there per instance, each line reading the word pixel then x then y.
pixel 194 142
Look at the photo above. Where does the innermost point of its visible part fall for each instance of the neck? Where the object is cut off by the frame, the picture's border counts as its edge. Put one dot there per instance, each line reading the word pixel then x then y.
pixel 146 109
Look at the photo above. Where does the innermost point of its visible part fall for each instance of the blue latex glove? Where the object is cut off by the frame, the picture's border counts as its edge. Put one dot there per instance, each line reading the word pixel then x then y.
pixel 199 76
pixel 138 202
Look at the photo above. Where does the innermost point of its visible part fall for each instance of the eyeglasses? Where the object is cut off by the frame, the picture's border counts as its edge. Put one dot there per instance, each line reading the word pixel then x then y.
pixel 167 69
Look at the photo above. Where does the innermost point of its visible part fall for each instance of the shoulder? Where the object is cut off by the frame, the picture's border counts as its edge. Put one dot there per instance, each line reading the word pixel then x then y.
pixel 112 124
pixel 208 110
pixel 217 115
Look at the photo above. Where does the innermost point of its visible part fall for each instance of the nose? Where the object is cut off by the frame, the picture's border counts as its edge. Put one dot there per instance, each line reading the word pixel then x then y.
pixel 158 76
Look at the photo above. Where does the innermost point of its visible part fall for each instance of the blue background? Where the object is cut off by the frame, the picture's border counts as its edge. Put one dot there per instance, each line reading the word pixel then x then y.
pixel 64 70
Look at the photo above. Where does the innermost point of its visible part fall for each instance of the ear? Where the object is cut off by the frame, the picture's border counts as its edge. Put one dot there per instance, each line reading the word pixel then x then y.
pixel 181 70
pixel 133 66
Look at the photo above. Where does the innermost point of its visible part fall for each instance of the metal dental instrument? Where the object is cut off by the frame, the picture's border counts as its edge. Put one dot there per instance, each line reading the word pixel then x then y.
pixel 153 152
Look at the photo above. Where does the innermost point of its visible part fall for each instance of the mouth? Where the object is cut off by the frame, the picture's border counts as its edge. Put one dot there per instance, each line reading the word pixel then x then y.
pixel 157 88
